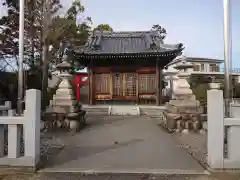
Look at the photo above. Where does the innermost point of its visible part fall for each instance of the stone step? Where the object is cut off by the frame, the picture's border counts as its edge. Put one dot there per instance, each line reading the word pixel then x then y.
pixel 151 112
pixel 124 110
pixel 118 176
pixel 96 110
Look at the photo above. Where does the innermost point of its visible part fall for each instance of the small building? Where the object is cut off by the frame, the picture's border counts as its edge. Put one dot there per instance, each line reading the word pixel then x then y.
pixel 126 66
pixel 200 65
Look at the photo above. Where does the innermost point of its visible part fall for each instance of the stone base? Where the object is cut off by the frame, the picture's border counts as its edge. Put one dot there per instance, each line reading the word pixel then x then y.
pixel 184 96
pixel 64 102
pixel 181 122
pixel 51 122
pixel 171 108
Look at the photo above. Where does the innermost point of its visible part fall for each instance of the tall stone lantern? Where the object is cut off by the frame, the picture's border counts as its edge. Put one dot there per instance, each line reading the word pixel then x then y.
pixel 183 112
pixel 183 87
pixel 64 96
pixel 170 75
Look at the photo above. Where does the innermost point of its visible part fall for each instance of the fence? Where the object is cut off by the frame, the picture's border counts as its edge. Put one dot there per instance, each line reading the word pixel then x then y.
pixel 29 124
pixel 216 133
pixel 6 108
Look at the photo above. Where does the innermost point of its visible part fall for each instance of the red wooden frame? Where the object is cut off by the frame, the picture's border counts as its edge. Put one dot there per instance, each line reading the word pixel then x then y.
pixel 78 82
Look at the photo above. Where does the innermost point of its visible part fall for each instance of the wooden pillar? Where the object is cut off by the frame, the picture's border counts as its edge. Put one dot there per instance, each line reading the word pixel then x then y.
pixel 158 84
pixel 137 87
pixel 111 84
pixel 91 84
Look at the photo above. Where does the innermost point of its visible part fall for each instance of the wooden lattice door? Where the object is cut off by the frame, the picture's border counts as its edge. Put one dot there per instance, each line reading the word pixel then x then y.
pixel 117 84
pixel 124 84
pixel 129 80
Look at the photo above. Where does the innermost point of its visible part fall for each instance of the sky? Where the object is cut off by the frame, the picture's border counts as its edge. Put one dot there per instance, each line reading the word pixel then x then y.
pixel 198 24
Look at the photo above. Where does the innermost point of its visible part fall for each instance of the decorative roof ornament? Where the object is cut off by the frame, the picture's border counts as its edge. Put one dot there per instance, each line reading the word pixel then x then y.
pixel 170 71
pixel 184 65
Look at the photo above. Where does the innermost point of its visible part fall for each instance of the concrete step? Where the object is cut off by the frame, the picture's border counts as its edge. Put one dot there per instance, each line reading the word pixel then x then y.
pixel 118 176
pixel 151 112
pixel 124 110
pixel 96 110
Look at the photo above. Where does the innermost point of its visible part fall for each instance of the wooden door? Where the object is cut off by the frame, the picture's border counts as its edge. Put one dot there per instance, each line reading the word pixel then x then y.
pixel 117 79
pixel 124 85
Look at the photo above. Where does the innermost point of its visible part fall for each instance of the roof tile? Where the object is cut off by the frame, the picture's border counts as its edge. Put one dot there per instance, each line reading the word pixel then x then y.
pixel 127 42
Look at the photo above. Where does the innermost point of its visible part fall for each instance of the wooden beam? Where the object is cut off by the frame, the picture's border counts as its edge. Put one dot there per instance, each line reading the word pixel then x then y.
pixel 91 84
pixel 160 86
pixel 111 84
pixel 137 87
pixel 157 83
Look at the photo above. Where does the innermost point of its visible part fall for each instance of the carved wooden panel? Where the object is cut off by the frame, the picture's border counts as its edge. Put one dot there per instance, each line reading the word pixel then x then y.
pixel 103 97
pixel 102 83
pixel 117 80
pixel 147 83
pixel 129 84
pixel 147 96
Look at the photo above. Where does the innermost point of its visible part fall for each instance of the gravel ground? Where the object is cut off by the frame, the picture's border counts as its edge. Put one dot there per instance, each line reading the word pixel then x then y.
pixel 48 142
pixel 78 176
pixel 195 144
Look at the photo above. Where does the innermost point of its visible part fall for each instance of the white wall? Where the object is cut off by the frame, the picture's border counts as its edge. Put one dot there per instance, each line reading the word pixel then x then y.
pixel 206 66
pixel 217 123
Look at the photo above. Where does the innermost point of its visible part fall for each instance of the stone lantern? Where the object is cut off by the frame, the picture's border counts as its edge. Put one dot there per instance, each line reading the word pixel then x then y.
pixel 64 94
pixel 183 112
pixel 183 86
pixel 170 76
pixel 65 100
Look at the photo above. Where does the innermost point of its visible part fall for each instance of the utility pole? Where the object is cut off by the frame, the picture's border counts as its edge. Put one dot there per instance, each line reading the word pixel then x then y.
pixel 20 58
pixel 227 55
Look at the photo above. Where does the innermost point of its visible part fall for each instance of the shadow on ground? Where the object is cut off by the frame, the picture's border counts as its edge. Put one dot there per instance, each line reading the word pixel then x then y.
pixel 117 143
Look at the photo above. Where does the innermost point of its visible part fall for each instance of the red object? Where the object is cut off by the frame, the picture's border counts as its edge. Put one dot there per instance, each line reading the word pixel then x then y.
pixel 79 81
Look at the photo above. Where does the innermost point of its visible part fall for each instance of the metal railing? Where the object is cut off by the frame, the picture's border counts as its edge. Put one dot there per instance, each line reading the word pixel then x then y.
pixel 234 70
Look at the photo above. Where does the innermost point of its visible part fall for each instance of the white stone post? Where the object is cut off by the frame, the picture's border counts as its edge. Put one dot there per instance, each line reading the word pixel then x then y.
pixel 14 134
pixel 215 109
pixel 2 140
pixel 32 117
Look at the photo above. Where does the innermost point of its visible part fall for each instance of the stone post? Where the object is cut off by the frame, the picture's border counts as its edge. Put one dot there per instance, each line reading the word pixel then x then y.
pixel 31 127
pixel 215 139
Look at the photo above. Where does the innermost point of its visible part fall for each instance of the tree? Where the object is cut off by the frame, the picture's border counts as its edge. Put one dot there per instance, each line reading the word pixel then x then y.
pixel 38 17
pixel 104 27
pixel 160 30
pixel 8 29
pixel 71 33
pixel 49 13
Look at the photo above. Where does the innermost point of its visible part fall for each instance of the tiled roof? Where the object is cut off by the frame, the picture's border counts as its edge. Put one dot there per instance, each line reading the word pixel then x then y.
pixel 127 43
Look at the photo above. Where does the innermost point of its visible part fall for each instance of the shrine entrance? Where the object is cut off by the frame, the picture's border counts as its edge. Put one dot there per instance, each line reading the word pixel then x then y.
pixel 124 86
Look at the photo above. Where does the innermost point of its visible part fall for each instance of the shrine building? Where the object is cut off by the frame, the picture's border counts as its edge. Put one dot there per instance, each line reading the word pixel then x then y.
pixel 126 66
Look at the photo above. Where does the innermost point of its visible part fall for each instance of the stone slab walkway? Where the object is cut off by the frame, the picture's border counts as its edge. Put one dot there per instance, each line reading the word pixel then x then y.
pixel 121 144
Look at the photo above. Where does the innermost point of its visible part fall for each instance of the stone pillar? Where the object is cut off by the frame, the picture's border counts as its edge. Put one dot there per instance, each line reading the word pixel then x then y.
pixel 31 127
pixel 64 96
pixel 215 128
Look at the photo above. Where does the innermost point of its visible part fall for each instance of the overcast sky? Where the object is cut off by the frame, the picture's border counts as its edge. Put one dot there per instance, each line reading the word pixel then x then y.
pixel 198 24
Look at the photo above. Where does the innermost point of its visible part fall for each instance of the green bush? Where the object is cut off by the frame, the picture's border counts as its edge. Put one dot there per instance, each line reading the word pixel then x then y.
pixel 200 92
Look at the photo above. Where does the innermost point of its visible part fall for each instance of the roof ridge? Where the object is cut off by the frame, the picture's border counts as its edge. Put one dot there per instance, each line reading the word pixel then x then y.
pixel 129 33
